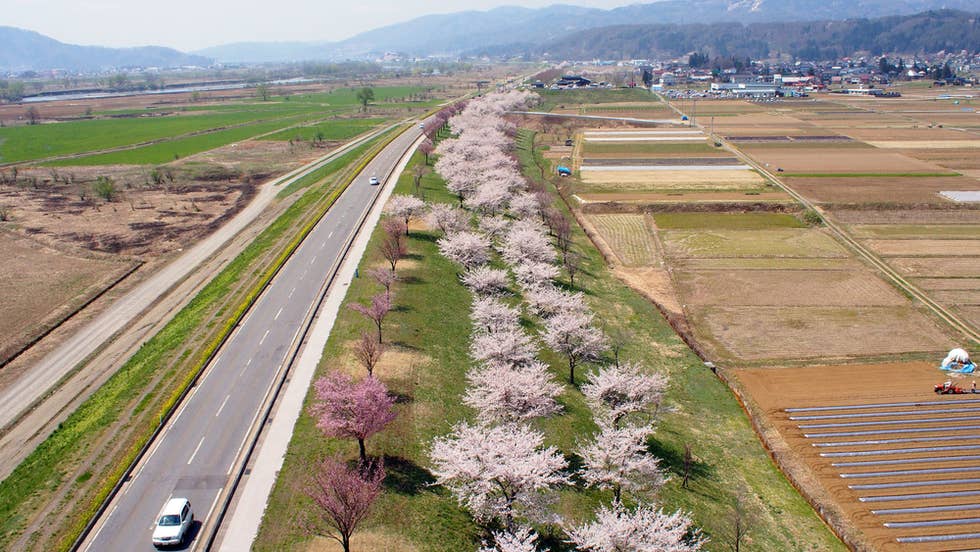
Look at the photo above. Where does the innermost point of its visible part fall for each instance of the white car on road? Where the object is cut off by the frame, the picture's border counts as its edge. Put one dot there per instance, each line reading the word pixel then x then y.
pixel 374 181
pixel 173 523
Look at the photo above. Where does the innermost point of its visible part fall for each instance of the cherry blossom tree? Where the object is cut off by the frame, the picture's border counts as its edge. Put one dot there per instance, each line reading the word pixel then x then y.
pixel 617 459
pixel 344 496
pixel 493 226
pixel 548 300
pixel 426 148
pixel 617 391
pixel 505 393
pixel 530 274
pixel 376 312
pixel 512 346
pixel 352 410
pixel 572 334
pixel 489 197
pixel 404 207
pixel 495 472
pixel 521 540
pixel 524 206
pixel 526 241
pixel 468 249
pixel 490 315
pixel 446 218
pixel 368 351
pixel 386 278
pixel 484 280
pixel 644 529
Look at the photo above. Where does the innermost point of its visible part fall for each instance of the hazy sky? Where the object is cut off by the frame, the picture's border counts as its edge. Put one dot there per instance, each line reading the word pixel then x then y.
pixel 192 24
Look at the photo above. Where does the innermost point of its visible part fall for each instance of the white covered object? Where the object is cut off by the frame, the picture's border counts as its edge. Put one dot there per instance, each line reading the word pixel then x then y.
pixel 958 356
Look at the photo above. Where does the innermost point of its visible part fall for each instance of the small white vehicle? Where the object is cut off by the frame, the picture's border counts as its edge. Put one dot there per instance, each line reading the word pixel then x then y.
pixel 374 181
pixel 421 126
pixel 173 523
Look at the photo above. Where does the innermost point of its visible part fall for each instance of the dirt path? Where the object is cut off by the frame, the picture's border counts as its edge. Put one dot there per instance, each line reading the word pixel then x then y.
pixel 31 407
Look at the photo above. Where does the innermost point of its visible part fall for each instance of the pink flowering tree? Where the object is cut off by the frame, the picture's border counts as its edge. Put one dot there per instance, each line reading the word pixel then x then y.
pixel 527 242
pixel 617 459
pixel 468 249
pixel 386 278
pixel 524 539
pixel 344 496
pixel 572 335
pixel 616 392
pixel 507 393
pixel 493 226
pixel 524 206
pixel 352 410
pixel 617 529
pixel 547 301
pixel 532 274
pixel 487 281
pixel 426 148
pixel 496 472
pixel 405 207
pixel 376 312
pixel 491 315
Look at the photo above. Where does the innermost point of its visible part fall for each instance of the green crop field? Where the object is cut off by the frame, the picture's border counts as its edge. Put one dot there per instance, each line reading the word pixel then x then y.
pixel 730 221
pixel 339 129
pixel 550 99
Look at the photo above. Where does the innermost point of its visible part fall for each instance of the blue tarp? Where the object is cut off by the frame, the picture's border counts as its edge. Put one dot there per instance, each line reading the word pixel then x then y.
pixel 958 368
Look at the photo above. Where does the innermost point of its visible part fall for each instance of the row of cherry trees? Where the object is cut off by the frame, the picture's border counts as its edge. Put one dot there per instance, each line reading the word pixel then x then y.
pixel 498 467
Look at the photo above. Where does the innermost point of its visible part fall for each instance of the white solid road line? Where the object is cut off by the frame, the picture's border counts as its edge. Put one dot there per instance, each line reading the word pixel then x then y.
pixel 197 448
pixel 276 317
pixel 222 407
pixel 210 511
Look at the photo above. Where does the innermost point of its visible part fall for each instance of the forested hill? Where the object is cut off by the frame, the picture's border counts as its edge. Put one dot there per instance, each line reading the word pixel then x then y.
pixel 927 32
pixel 21 50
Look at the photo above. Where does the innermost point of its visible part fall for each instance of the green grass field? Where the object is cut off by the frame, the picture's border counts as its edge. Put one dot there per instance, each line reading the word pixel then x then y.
pixel 339 129
pixel 649 147
pixel 25 143
pixel 550 99
pixel 429 329
pixel 729 221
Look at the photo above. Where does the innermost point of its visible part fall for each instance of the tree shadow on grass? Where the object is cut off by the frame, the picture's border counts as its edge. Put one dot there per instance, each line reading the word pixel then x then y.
pixel 403 476
pixel 423 236
pixel 410 280
pixel 672 460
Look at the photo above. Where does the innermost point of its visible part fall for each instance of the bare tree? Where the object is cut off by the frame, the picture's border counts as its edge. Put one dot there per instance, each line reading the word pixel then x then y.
pixel 344 496
pixel 33 116
pixel 385 277
pixel 368 351
pixel 376 312
pixel 392 245
pixel 418 172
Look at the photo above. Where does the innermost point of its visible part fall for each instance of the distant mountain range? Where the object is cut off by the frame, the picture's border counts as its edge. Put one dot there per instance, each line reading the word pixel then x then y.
pixel 559 29
pixel 22 50
pixel 928 32
pixel 516 29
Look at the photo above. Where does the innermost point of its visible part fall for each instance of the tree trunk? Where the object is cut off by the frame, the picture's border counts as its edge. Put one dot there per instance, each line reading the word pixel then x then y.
pixel 379 331
pixel 360 445
pixel 345 541
pixel 571 371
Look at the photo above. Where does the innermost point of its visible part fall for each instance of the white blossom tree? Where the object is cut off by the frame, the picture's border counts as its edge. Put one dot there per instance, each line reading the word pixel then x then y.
pixel 617 459
pixel 521 540
pixel 496 472
pixel 507 393
pixel 493 226
pixel 533 274
pixel 489 197
pixel 405 207
pixel 644 529
pixel 484 280
pixel 572 335
pixel 468 249
pixel 526 241
pixel 615 392
pixel 491 315
pixel 446 218
pixel 548 300
pixel 512 346
pixel 524 206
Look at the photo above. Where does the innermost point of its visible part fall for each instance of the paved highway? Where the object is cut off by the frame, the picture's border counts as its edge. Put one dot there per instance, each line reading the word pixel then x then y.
pixel 195 454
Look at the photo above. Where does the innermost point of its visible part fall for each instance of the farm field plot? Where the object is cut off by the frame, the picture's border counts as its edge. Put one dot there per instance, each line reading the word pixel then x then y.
pixel 683 197
pixel 629 236
pixel 937 267
pixel 882 189
pixel 885 134
pixel 704 179
pixel 842 160
pixel 893 460
pixel 341 129
pixel 694 148
pixel 908 216
pixel 67 281
pixel 781 287
pixel 926 247
pixel 912 231
pixel 972 284
pixel 957 159
pixel 740 334
pixel 775 242
pixel 719 106
pixel 660 161
pixel 925 144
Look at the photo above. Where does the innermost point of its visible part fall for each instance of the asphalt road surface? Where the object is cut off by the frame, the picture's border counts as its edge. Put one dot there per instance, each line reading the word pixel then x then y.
pixel 194 455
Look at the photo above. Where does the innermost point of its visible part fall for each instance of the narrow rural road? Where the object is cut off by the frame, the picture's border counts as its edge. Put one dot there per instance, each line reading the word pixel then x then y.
pixel 196 454
pixel 29 394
